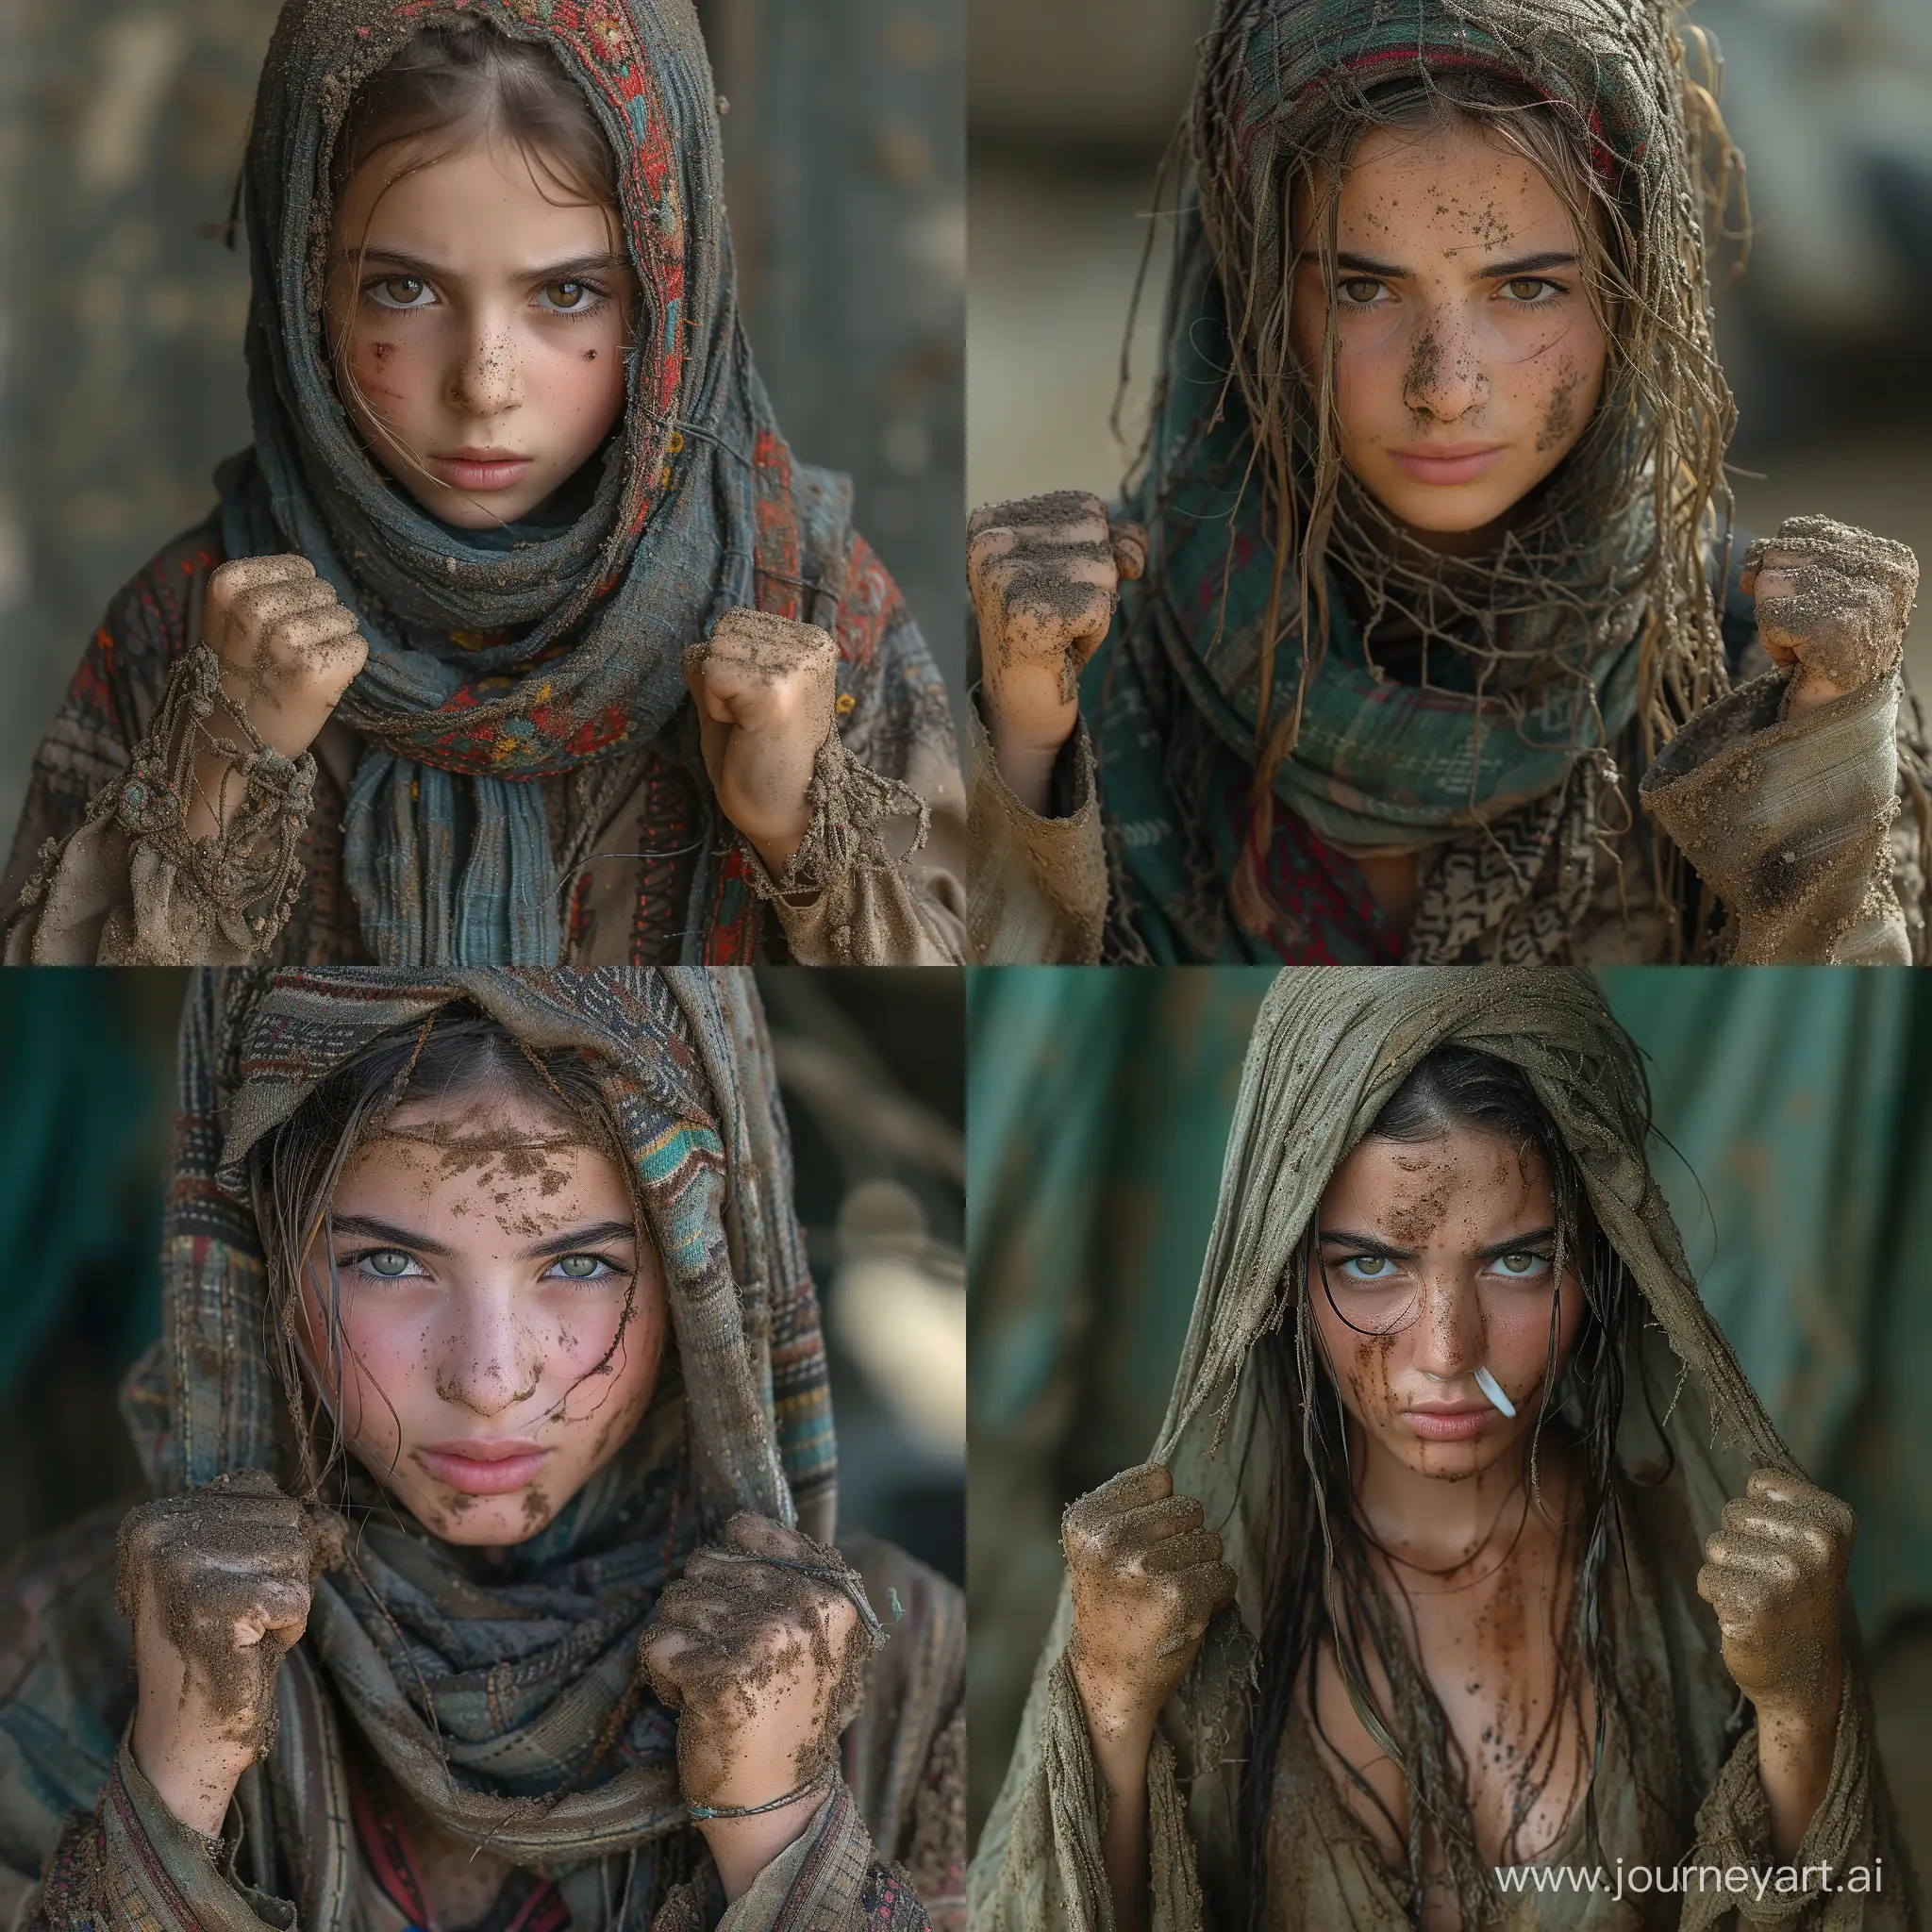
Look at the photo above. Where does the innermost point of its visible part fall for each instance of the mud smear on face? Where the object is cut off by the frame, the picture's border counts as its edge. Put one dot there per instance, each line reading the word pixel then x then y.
pixel 206 1557
pixel 1415 1221
pixel 1560 418
pixel 1420 378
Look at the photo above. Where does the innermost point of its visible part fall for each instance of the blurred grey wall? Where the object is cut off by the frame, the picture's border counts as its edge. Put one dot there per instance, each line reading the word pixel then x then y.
pixel 121 125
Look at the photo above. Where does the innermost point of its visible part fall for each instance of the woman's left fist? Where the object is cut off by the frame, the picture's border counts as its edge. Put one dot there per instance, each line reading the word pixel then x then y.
pixel 764 688
pixel 764 1664
pixel 1832 600
pixel 1775 1572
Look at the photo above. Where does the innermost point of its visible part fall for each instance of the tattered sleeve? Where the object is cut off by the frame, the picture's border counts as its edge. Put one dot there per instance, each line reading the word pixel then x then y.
pixel 1789 822
pixel 103 871
pixel 1848 1873
pixel 132 1866
pixel 1037 889
pixel 879 877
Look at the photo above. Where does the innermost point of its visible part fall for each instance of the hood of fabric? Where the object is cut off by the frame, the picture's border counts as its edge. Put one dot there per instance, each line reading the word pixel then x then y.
pixel 509 1704
pixel 501 657
pixel 1330 1048
pixel 1377 763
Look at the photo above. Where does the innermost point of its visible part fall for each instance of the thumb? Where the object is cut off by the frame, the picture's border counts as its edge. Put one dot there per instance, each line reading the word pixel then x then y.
pixel 713 707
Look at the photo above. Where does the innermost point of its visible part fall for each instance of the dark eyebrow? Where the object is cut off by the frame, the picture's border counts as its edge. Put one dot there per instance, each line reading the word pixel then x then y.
pixel 1364 265
pixel 1368 1243
pixel 577 1238
pixel 1518 1244
pixel 1528 265
pixel 551 272
pixel 384 1231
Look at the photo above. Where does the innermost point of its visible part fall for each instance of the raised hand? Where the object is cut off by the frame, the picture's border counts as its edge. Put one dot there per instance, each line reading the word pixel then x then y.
pixel 764 688
pixel 288 652
pixel 1045 574
pixel 217 1583
pixel 1146 1577
pixel 1832 600
pixel 1775 1572
pixel 765 1667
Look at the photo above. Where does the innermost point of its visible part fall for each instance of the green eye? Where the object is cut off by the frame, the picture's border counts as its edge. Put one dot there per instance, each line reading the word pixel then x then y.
pixel 581 1267
pixel 1367 1268
pixel 1523 1267
pixel 388 1262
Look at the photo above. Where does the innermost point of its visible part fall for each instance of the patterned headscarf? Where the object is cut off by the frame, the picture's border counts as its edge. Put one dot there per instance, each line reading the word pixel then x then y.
pixel 1241 642
pixel 510 1708
pixel 493 666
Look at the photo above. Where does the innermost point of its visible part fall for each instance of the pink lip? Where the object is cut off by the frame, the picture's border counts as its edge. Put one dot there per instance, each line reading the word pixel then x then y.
pixel 1448 1425
pixel 480 470
pixel 1447 462
pixel 483 1467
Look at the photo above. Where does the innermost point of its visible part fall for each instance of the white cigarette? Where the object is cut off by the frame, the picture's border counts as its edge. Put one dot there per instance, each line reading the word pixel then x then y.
pixel 1493 1390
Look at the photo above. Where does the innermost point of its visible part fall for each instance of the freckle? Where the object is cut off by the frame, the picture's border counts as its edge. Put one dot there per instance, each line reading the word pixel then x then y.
pixel 590 355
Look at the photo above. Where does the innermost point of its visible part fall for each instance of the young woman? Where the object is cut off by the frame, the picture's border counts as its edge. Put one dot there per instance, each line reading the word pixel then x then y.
pixel 1467 1559
pixel 1424 635
pixel 517 636
pixel 489 1580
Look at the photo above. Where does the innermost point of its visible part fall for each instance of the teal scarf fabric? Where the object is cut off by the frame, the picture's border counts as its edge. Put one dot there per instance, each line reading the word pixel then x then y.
pixel 499 658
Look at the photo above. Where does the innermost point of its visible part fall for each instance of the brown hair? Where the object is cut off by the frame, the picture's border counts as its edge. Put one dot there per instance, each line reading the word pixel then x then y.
pixel 294 1173
pixel 470 83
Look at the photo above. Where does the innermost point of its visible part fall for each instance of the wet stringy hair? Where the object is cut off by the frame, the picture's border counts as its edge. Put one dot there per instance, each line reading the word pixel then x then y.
pixel 1322 1586
pixel 462 1054
pixel 1650 459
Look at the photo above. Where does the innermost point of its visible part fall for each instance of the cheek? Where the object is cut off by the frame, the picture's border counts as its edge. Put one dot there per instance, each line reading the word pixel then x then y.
pixel 584 377
pixel 1363 1365
pixel 1519 1336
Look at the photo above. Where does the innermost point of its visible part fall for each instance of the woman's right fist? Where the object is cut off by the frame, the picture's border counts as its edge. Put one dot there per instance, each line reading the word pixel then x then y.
pixel 1147 1579
pixel 217 1583
pixel 1045 574
pixel 288 651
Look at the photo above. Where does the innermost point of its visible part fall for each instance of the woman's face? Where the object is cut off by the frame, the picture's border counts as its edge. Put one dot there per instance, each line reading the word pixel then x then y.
pixel 1438 1263
pixel 502 1323
pixel 476 327
pixel 1469 359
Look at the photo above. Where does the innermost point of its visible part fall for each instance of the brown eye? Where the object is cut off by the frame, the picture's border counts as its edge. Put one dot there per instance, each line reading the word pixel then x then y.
pixel 567 295
pixel 1529 289
pixel 1361 289
pixel 401 292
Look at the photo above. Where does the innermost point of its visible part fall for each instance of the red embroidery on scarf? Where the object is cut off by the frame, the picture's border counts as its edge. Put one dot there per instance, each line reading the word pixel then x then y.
pixel 731 931
pixel 779 561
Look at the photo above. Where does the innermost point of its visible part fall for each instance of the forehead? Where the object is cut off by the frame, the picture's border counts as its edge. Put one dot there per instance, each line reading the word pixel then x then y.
pixel 1450 186
pixel 1464 1167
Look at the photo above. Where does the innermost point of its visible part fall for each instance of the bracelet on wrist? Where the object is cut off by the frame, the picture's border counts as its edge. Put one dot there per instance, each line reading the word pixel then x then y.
pixel 705 1812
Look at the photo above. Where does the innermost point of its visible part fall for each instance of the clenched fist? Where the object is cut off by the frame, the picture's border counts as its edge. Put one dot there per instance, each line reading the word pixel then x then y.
pixel 1146 1577
pixel 1045 575
pixel 763 1664
pixel 1775 1572
pixel 764 688
pixel 217 1583
pixel 288 651
pixel 1832 600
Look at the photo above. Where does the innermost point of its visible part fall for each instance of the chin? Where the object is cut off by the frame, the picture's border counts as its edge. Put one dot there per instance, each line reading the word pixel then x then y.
pixel 1441 512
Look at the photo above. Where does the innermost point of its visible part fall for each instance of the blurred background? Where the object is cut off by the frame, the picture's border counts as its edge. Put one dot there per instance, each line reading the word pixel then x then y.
pixel 1795 1144
pixel 121 128
pixel 872 1065
pixel 1071 105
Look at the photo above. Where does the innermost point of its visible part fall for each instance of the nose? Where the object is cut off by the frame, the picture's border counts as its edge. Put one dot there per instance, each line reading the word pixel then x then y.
pixel 487 380
pixel 492 1361
pixel 1449 1333
pixel 1444 379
